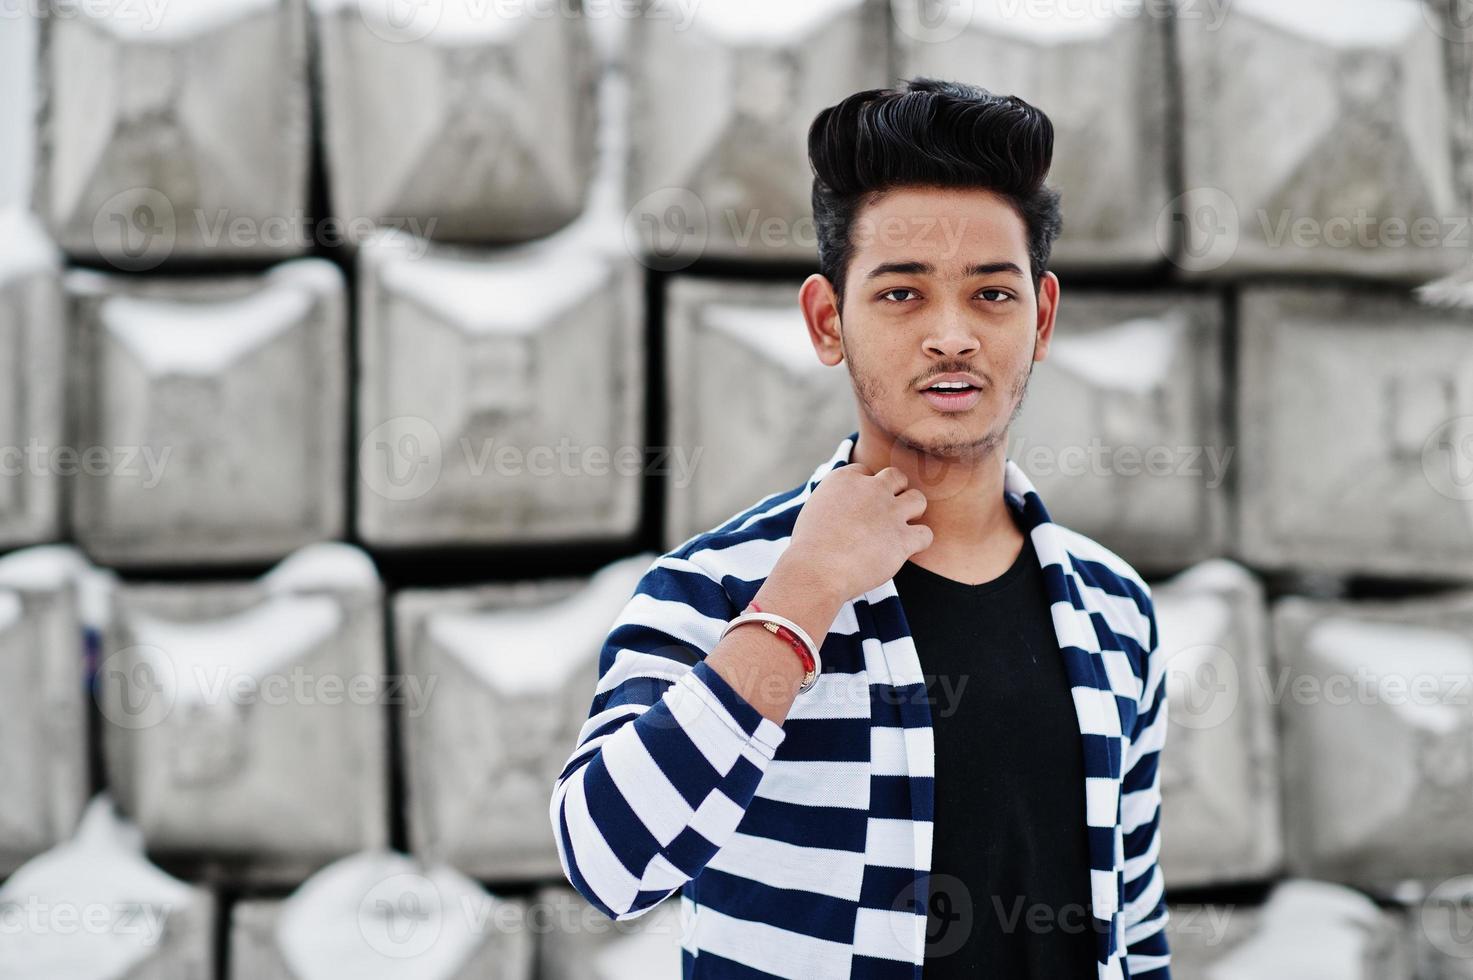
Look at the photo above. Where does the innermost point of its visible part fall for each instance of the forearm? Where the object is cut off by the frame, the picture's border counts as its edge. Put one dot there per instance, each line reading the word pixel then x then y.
pixel 761 666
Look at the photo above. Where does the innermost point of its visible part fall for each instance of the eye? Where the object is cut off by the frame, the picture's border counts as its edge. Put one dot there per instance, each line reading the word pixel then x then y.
pixel 1002 295
pixel 897 289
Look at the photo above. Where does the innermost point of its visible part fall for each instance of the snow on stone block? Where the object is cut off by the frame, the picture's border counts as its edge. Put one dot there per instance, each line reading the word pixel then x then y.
pixel 32 355
pixel 584 944
pixel 512 668
pixel 740 370
pixel 244 723
pixel 1375 723
pixel 43 692
pixel 180 141
pixel 1099 72
pixel 215 409
pixel 378 915
pixel 95 908
pixel 1353 459
pixel 502 392
pixel 1306 930
pixel 1350 171
pixel 1122 431
pixel 721 102
pixel 465 121
pixel 1220 772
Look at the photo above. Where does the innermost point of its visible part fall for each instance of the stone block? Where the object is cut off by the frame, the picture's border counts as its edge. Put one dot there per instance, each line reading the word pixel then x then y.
pixel 502 392
pixel 511 667
pixel 1317 139
pixel 723 92
pixel 751 409
pixel 244 723
pixel 1355 431
pixel 210 414
pixel 174 131
pixel 460 121
pixel 1122 426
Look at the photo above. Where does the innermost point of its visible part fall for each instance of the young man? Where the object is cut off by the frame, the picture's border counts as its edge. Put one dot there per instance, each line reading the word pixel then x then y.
pixel 968 783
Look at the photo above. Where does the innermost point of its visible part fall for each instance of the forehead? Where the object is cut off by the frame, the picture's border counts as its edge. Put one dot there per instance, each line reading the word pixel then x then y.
pixel 949 228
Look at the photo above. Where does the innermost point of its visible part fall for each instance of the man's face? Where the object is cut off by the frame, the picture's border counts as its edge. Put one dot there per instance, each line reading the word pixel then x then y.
pixel 939 283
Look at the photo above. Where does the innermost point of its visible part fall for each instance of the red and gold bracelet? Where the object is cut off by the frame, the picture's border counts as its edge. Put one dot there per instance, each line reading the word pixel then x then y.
pixel 789 631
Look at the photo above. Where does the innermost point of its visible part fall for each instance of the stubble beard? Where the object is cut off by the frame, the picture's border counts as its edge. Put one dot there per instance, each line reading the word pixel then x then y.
pixel 970 451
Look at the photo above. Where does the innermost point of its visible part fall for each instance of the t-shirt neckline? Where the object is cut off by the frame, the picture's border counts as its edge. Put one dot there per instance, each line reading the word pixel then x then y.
pixel 1013 572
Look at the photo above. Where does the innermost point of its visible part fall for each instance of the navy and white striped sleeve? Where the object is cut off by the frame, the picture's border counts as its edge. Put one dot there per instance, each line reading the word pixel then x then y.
pixel 670 756
pixel 1145 915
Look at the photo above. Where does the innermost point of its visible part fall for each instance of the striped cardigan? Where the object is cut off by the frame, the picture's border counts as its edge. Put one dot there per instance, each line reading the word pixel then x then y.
pixel 802 849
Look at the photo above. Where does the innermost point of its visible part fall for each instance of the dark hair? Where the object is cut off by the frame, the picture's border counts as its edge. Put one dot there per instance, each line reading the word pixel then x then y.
pixel 929 133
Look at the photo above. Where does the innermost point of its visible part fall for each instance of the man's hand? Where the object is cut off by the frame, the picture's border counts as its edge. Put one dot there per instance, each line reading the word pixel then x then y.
pixel 854 532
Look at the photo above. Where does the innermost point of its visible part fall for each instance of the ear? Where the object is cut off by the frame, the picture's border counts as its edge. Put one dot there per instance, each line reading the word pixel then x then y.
pixel 821 312
pixel 1048 308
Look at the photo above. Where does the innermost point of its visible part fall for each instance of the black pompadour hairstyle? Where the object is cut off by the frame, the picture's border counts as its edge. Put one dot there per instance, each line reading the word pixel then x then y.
pixel 929 133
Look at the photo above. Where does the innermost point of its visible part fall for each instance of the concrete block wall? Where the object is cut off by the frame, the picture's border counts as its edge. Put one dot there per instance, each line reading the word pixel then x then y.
pixel 360 363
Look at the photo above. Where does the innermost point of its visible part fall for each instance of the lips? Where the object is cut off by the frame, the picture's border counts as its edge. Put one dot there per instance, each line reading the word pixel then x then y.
pixel 952 377
pixel 958 400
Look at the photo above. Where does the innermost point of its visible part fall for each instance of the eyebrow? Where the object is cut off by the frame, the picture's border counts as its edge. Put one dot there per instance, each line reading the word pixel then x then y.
pixel 926 269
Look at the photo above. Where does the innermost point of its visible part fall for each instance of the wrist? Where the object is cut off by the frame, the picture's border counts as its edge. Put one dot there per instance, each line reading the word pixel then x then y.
pixel 801 591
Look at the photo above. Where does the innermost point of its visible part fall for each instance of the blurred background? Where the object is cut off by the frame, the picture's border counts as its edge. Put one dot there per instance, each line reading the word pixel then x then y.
pixel 354 349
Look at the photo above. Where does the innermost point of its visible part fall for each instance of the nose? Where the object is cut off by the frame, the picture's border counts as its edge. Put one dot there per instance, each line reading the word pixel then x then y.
pixel 950 337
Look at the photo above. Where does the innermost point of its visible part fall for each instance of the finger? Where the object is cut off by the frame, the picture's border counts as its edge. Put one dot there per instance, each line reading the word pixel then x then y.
pixel 914 503
pixel 918 537
pixel 894 478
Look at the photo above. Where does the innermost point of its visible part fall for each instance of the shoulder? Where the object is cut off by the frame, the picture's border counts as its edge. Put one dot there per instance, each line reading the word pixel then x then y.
pixel 1101 565
pixel 746 545
pixel 1112 586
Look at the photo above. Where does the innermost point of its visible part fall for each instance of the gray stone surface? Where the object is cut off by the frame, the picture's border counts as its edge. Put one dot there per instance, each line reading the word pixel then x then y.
pixel 587 945
pixel 1220 772
pixel 1100 72
pixel 43 699
pixel 174 130
pixel 1325 169
pixel 378 915
pixel 1306 930
pixel 213 410
pixel 1122 428
pixel 1355 409
pixel 1376 725
pixel 95 908
pixel 19 81
pixel 533 428
pixel 513 666
pixel 469 122
pixel 1438 921
pixel 32 360
pixel 719 122
pixel 751 409
pixel 244 723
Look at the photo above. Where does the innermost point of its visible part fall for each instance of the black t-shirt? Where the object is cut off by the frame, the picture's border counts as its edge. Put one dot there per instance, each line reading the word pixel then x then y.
pixel 1010 883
